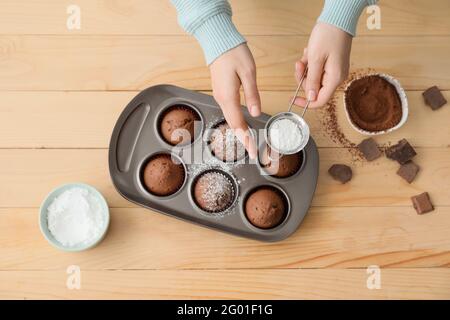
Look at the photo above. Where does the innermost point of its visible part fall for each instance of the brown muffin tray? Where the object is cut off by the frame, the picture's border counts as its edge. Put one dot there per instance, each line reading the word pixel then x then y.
pixel 136 138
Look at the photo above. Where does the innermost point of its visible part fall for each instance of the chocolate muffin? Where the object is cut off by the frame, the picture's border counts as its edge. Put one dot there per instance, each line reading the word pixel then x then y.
pixel 373 103
pixel 265 208
pixel 213 191
pixel 179 117
pixel 225 145
pixel 162 176
pixel 280 166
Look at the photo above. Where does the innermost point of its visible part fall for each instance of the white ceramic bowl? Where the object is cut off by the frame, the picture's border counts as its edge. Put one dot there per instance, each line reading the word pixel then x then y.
pixel 401 93
pixel 43 223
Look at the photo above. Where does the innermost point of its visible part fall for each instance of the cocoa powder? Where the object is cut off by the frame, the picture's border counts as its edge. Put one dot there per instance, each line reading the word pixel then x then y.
pixel 373 103
pixel 330 124
pixel 328 116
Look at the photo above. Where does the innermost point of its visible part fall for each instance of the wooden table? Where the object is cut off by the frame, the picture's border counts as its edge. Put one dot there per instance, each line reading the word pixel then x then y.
pixel 62 90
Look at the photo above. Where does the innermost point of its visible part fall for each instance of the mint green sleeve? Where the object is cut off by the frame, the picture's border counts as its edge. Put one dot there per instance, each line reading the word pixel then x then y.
pixel 209 21
pixel 344 14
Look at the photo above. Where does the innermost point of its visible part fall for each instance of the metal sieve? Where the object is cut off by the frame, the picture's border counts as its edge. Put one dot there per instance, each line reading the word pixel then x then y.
pixel 299 120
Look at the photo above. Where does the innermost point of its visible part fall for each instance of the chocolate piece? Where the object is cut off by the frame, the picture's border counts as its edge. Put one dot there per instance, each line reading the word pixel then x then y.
pixel 422 203
pixel 434 98
pixel 341 172
pixel 369 149
pixel 402 152
pixel 408 171
pixel 373 103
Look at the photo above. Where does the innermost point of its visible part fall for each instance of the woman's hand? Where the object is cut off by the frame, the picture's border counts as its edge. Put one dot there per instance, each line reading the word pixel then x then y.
pixel 228 72
pixel 328 59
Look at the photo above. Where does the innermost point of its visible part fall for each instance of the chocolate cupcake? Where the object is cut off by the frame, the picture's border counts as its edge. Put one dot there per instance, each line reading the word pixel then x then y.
pixel 161 176
pixel 213 191
pixel 177 125
pixel 266 208
pixel 280 166
pixel 224 144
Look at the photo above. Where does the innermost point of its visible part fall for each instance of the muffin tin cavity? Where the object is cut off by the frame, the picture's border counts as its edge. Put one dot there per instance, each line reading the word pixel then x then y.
pixel 266 207
pixel 202 186
pixel 280 166
pixel 223 144
pixel 162 174
pixel 214 191
pixel 179 124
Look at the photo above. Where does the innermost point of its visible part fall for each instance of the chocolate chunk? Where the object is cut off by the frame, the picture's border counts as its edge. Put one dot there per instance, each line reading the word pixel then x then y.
pixel 434 98
pixel 402 152
pixel 369 149
pixel 422 203
pixel 341 172
pixel 408 171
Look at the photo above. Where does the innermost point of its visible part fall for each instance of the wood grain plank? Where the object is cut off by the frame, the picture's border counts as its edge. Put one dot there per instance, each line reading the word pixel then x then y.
pixel 328 238
pixel 27 119
pixel 59 119
pixel 136 62
pixel 238 284
pixel 28 175
pixel 264 17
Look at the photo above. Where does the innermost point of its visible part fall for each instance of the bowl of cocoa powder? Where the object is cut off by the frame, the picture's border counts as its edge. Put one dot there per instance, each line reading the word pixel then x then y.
pixel 375 104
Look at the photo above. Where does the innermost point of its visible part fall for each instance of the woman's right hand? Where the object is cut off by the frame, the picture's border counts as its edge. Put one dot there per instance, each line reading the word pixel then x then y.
pixel 328 60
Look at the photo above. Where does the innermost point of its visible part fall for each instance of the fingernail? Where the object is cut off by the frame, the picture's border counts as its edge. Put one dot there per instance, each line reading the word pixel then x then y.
pixel 254 111
pixel 312 95
pixel 252 154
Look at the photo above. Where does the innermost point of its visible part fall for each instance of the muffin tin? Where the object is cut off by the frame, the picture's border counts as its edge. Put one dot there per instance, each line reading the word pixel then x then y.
pixel 136 138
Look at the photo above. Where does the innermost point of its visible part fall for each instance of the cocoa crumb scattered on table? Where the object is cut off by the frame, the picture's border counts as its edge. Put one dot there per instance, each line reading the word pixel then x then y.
pixel 330 124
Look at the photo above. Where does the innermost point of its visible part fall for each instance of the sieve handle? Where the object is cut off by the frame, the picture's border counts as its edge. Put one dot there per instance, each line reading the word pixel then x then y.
pixel 306 108
pixel 298 89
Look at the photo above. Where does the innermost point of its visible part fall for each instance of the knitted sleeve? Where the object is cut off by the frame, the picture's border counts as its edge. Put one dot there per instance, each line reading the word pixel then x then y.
pixel 209 21
pixel 344 14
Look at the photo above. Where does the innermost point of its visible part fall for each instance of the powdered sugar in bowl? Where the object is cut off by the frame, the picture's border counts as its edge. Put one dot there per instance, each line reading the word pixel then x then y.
pixel 286 133
pixel 74 217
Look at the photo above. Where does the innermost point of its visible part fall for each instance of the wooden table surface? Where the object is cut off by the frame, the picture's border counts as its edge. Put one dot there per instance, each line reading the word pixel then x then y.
pixel 62 90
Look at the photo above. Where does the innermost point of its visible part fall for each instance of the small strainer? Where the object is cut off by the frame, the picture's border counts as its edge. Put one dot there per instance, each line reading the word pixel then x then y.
pixel 298 120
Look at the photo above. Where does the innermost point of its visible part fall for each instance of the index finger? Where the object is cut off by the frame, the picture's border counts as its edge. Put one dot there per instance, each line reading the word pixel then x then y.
pixel 324 95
